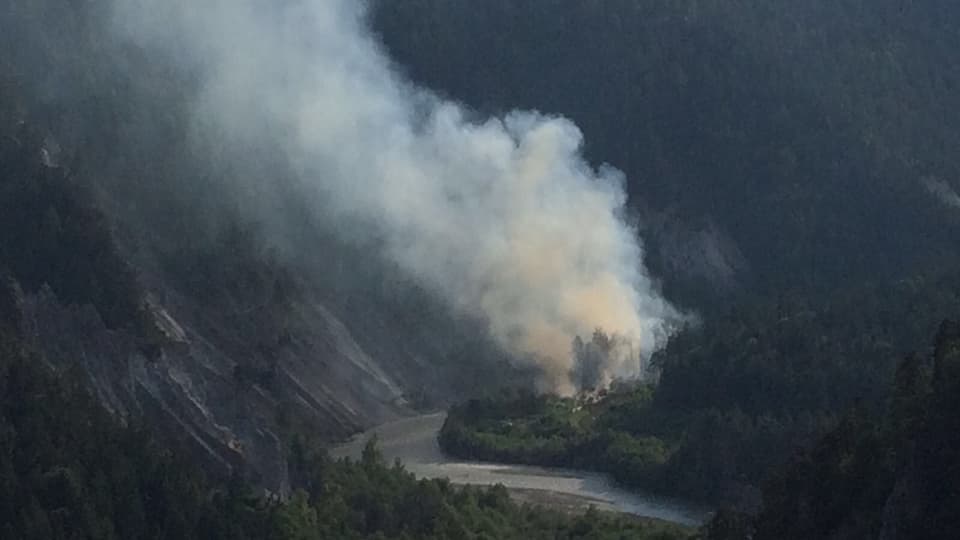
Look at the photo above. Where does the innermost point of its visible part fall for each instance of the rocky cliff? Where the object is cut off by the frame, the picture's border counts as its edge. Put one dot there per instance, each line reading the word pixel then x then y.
pixel 225 347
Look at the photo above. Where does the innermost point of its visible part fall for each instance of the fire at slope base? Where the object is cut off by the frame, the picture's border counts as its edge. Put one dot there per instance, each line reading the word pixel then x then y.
pixel 502 218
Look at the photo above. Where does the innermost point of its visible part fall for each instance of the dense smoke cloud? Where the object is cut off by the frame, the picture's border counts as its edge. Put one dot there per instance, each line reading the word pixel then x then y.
pixel 502 218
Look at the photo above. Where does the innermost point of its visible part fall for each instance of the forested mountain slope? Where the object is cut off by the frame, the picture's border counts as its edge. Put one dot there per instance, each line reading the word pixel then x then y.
pixel 888 475
pixel 70 470
pixel 767 144
pixel 184 288
pixel 791 167
pixel 736 395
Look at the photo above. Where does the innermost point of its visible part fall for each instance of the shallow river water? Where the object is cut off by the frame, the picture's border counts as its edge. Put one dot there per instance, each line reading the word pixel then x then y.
pixel 414 442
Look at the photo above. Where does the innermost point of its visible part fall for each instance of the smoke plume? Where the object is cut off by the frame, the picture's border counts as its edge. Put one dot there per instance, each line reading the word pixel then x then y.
pixel 501 217
pixel 941 190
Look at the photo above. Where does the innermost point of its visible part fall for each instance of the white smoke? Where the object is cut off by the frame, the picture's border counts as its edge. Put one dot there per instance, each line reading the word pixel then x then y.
pixel 502 218
pixel 942 191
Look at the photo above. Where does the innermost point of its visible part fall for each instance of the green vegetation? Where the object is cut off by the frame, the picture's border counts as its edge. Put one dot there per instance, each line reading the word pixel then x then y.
pixel 222 224
pixel 883 475
pixel 561 432
pixel 803 130
pixel 52 234
pixel 368 499
pixel 737 394
pixel 745 389
pixel 806 135
pixel 874 471
pixel 70 470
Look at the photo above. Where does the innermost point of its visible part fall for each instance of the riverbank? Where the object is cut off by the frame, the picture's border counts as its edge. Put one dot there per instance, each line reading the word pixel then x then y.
pixel 413 441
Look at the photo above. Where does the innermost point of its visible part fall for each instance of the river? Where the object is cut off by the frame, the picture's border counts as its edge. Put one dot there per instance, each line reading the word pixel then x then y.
pixel 414 442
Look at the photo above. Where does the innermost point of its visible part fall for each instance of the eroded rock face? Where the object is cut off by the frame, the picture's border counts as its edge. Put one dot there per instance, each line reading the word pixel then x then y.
pixel 221 346
pixel 191 389
pixel 696 253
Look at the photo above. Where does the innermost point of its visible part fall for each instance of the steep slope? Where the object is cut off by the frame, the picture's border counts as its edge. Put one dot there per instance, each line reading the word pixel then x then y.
pixel 174 361
pixel 882 476
pixel 231 359
pixel 70 470
pixel 767 144
pixel 185 294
